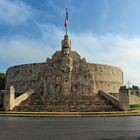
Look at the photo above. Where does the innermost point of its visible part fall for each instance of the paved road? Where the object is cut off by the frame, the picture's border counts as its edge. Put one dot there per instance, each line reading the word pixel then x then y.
pixel 70 128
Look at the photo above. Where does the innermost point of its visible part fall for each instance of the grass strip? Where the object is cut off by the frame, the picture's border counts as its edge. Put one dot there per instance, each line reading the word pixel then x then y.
pixel 135 106
pixel 70 114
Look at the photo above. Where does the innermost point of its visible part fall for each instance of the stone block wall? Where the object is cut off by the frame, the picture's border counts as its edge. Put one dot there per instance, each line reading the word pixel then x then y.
pixel 134 98
pixel 10 101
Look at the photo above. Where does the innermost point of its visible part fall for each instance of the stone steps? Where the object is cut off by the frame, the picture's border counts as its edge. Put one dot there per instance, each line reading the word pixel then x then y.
pixel 71 108
pixel 66 104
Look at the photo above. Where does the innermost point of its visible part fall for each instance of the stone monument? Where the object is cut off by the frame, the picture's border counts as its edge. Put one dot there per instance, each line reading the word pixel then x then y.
pixel 65 74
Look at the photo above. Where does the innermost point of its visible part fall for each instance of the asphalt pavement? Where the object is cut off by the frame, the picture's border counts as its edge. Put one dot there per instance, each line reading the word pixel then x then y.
pixel 70 128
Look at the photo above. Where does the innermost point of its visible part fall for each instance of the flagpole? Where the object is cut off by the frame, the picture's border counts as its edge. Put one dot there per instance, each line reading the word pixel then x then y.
pixel 66 31
pixel 66 22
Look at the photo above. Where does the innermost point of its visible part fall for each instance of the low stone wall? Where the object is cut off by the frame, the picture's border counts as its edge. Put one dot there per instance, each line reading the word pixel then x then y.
pixel 123 100
pixel 111 98
pixel 10 101
pixel 134 99
pixel 22 97
pixel 115 95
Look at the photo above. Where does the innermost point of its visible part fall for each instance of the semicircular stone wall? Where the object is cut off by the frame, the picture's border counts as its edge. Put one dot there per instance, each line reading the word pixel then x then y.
pixel 107 78
pixel 26 77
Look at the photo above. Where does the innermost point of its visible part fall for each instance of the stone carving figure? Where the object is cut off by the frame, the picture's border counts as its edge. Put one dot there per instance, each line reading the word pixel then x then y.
pixel 66 51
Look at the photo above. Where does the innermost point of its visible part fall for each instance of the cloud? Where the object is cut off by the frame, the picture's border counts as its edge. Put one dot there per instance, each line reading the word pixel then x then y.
pixel 14 12
pixel 119 50
pixel 51 34
pixel 58 8
pixel 19 50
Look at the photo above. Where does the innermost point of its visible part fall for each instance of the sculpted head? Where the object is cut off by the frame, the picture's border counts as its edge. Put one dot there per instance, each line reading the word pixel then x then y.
pixel 66 51
pixel 66 46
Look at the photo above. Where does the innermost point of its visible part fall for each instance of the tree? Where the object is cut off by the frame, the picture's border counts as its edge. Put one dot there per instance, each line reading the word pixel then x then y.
pixel 135 89
pixel 2 81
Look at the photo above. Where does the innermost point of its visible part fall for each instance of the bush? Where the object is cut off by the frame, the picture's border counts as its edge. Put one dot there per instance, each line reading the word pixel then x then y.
pixel 2 81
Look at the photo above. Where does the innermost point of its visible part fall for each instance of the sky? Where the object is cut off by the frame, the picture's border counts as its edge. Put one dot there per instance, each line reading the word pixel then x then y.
pixel 102 31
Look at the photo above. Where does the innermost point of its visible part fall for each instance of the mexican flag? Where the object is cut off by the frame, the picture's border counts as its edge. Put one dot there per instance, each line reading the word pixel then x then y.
pixel 66 19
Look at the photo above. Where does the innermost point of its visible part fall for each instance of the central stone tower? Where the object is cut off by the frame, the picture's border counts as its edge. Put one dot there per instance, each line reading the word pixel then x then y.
pixel 66 73
pixel 67 65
